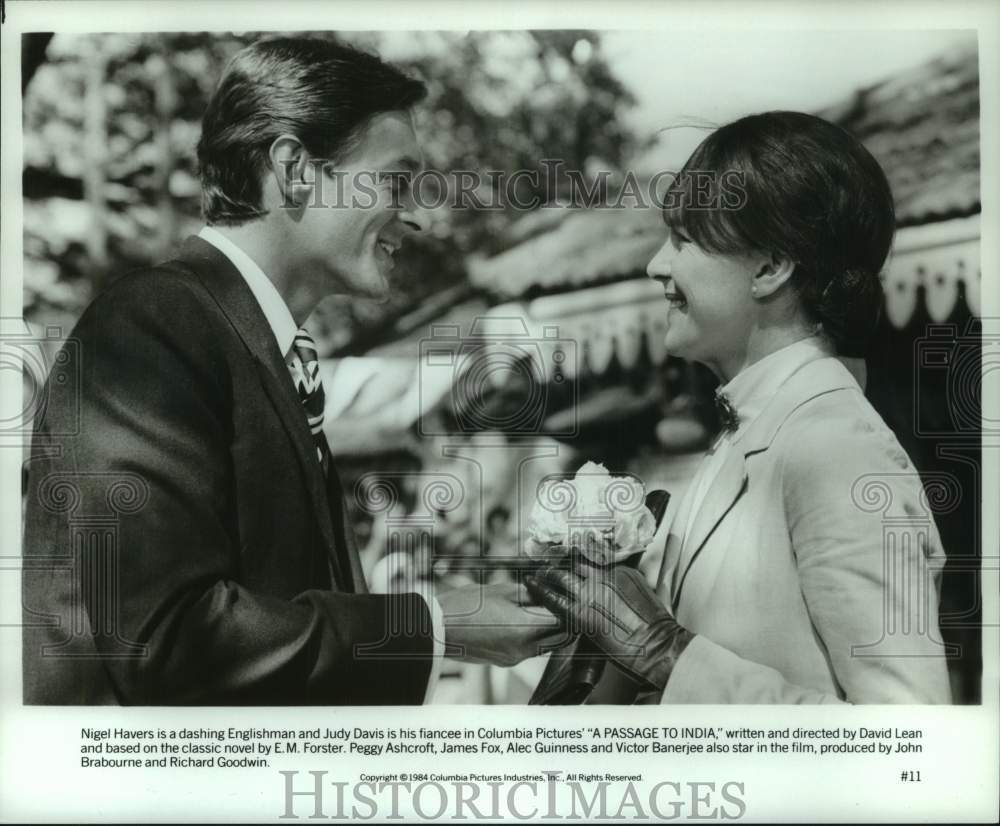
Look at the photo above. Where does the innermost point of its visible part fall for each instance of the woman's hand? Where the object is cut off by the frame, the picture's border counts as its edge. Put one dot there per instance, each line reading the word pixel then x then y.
pixel 616 608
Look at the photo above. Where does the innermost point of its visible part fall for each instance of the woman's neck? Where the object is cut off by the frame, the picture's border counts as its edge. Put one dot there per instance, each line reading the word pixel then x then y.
pixel 760 343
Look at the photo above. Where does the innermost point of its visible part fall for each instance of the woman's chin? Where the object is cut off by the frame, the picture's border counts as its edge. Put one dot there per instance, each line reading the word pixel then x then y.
pixel 677 345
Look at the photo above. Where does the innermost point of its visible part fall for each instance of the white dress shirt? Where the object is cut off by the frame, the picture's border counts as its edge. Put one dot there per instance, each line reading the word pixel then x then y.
pixel 748 392
pixel 283 325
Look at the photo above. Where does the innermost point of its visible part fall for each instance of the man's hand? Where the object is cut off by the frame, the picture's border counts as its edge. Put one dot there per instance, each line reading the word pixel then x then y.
pixel 492 624
pixel 616 608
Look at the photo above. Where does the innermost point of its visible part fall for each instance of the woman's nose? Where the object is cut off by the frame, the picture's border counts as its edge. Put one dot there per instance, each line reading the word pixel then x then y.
pixel 659 266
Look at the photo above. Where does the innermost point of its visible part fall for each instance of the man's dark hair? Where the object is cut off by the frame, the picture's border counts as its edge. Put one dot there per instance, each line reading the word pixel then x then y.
pixel 811 192
pixel 323 92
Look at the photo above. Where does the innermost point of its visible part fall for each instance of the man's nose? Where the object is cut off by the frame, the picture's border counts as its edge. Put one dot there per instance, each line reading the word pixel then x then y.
pixel 659 266
pixel 415 218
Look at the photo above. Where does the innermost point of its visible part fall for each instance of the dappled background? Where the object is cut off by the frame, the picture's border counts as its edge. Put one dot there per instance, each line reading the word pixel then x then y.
pixel 111 123
pixel 556 294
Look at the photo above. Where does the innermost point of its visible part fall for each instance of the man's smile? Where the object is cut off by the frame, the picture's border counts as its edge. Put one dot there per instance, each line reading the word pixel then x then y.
pixel 386 252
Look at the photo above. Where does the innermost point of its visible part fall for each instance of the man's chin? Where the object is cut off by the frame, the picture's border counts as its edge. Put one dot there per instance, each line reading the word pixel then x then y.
pixel 376 285
pixel 380 294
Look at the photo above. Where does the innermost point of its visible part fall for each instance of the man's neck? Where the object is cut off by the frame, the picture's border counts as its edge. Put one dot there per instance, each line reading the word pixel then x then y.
pixel 267 250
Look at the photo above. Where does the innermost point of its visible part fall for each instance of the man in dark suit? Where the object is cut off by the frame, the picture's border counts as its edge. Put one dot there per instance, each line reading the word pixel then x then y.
pixel 185 536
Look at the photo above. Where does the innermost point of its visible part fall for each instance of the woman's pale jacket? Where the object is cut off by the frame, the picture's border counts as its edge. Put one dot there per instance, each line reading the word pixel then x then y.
pixel 810 573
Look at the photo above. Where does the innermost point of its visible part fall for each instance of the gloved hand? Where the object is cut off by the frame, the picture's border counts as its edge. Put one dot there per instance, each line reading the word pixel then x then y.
pixel 617 609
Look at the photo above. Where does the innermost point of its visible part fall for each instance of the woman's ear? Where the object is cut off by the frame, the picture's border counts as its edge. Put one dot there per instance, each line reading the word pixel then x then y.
pixel 772 273
pixel 290 168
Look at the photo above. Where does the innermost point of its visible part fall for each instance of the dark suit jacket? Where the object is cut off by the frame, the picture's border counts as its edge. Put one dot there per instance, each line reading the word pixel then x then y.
pixel 182 544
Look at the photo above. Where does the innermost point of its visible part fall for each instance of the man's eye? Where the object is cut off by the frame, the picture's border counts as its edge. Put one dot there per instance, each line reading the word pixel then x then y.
pixel 397 182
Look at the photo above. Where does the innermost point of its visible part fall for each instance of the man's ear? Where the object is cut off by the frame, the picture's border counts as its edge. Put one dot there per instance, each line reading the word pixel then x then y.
pixel 290 168
pixel 772 273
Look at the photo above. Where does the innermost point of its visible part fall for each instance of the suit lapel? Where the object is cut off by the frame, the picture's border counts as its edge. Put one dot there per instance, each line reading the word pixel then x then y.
pixel 350 561
pixel 221 278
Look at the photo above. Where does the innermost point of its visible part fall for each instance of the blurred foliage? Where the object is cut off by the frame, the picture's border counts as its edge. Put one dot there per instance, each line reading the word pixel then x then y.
pixel 111 122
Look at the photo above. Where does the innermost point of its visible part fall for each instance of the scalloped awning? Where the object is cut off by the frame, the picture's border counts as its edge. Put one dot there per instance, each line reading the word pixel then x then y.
pixel 940 260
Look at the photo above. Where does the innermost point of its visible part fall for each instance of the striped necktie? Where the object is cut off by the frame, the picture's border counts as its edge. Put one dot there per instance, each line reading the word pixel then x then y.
pixel 303 363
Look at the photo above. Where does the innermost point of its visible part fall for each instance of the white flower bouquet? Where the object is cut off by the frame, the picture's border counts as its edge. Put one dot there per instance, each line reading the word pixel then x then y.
pixel 600 517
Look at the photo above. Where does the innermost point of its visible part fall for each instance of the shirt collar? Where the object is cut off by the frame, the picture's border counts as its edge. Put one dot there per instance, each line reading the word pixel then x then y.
pixel 275 310
pixel 751 389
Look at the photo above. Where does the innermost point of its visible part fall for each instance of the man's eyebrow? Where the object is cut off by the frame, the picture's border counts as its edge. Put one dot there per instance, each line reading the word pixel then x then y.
pixel 406 164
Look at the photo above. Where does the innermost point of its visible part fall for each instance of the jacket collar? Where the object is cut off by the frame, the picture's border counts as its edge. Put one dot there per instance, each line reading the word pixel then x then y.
pixel 814 375
pixel 275 310
pixel 821 373
pixel 231 292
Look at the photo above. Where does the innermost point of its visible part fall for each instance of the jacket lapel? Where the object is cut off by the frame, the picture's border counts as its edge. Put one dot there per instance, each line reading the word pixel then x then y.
pixel 221 278
pixel 719 500
pixel 672 548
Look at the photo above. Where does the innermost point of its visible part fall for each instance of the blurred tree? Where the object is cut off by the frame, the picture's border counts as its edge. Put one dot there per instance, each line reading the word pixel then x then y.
pixel 33 48
pixel 505 101
pixel 111 122
pixel 94 141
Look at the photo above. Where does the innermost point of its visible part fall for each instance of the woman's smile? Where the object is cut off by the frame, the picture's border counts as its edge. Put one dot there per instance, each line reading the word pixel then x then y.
pixel 675 296
pixel 672 293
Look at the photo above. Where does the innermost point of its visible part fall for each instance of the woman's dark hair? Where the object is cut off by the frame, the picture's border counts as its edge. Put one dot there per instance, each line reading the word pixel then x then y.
pixel 322 92
pixel 796 185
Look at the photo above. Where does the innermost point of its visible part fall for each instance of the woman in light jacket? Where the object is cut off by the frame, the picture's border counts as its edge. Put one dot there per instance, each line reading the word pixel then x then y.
pixel 802 564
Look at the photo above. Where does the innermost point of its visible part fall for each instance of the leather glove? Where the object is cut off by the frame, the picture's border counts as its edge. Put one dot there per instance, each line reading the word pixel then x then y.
pixel 616 608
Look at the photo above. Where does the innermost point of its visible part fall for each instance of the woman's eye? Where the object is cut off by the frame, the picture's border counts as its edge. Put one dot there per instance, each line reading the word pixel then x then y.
pixel 680 238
